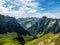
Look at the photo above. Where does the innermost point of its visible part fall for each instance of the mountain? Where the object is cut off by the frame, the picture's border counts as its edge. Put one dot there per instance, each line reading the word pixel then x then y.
pixel 9 24
pixel 27 22
pixel 41 26
pixel 40 31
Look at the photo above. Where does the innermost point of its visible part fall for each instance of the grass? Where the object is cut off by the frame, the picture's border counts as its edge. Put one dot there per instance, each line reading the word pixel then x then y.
pixel 36 41
pixel 28 25
pixel 50 25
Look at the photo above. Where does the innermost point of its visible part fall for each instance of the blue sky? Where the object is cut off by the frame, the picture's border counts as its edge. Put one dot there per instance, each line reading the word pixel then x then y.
pixel 30 8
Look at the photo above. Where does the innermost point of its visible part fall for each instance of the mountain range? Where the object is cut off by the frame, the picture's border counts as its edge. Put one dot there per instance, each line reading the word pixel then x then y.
pixel 41 26
pixel 35 31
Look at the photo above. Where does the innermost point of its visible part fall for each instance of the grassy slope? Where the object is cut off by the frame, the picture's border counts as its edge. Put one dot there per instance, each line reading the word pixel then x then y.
pixel 36 41
pixel 28 25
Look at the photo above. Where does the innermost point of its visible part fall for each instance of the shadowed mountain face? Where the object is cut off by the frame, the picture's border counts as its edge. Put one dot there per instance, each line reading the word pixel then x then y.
pixel 9 24
pixel 46 25
pixel 42 25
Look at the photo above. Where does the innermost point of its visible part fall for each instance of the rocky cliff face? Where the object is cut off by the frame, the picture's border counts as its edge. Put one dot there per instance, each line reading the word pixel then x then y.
pixel 44 25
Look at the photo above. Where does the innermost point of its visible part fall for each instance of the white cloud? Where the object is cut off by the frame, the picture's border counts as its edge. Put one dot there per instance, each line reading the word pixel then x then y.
pixel 7 11
pixel 22 9
pixel 31 3
pixel 31 10
pixel 49 15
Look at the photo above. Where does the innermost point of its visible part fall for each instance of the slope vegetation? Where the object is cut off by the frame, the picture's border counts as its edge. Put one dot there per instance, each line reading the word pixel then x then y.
pixel 48 39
